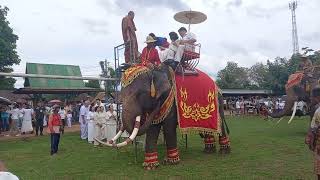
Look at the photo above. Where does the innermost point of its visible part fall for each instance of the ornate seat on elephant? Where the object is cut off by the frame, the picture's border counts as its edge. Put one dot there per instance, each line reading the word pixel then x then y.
pixel 191 56
pixel 190 60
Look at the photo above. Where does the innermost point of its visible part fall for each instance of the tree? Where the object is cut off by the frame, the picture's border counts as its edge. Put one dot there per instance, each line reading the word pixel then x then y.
pixel 93 84
pixel 278 73
pixel 8 53
pixel 315 58
pixel 233 77
pixel 258 75
pixel 111 84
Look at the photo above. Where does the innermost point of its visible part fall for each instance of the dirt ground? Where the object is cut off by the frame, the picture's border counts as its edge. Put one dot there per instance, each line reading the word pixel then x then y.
pixel 3 137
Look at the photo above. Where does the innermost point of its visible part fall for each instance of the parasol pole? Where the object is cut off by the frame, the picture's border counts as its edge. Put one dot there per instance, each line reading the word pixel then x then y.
pixel 189 22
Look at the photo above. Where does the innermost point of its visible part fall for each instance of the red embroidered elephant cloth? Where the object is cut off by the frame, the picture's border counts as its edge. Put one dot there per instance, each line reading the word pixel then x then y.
pixel 197 104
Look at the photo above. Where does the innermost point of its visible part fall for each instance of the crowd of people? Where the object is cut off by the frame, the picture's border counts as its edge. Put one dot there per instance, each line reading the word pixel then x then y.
pixel 20 119
pixel 96 120
pixel 254 105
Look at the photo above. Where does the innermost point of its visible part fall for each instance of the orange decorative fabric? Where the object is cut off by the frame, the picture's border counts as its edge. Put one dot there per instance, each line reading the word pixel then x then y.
pixel 294 79
pixel 131 74
pixel 197 104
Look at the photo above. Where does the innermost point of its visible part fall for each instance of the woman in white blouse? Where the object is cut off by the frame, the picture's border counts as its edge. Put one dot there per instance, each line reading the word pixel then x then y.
pixel 28 114
pixel 100 124
pixel 111 122
pixel 90 120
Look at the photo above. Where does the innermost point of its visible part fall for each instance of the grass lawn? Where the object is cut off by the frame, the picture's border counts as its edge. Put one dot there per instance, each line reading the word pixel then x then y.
pixel 260 150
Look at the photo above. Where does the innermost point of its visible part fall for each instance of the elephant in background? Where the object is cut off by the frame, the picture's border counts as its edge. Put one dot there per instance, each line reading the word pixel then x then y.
pixel 140 108
pixel 301 91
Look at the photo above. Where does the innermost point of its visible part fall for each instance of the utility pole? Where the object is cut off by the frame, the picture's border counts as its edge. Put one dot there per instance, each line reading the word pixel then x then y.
pixel 106 83
pixel 295 43
pixel 105 73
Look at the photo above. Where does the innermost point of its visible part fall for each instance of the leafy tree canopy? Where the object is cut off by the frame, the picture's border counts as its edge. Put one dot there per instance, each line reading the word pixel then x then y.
pixel 8 53
pixel 273 75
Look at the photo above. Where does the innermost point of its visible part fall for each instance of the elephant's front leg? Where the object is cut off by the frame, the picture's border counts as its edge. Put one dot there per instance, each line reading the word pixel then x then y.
pixel 170 135
pixel 151 153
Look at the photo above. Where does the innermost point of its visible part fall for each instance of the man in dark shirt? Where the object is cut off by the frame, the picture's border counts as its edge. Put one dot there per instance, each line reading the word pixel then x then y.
pixel 39 115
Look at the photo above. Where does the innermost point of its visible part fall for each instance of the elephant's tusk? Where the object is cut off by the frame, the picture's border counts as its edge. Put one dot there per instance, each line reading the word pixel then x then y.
pixel 279 120
pixel 114 139
pixel 128 140
pixel 294 111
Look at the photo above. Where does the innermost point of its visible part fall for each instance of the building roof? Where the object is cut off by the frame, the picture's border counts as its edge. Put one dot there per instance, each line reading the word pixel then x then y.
pixel 246 92
pixel 55 91
pixel 13 97
pixel 53 69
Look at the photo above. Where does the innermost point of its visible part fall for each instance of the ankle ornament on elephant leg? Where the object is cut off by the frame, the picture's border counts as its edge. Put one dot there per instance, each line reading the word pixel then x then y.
pixel 150 161
pixel 173 157
pixel 224 145
pixel 209 144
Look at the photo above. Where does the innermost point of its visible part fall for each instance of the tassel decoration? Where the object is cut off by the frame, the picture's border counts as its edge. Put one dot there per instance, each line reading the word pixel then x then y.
pixel 153 89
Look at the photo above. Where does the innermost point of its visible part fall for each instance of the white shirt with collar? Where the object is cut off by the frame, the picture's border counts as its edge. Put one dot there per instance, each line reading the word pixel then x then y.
pixel 189 36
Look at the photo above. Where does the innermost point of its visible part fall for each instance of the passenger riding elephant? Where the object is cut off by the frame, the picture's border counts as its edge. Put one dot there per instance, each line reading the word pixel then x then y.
pixel 141 102
pixel 299 88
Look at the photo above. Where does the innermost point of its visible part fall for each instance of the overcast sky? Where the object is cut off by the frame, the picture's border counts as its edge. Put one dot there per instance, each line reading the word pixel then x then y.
pixel 84 32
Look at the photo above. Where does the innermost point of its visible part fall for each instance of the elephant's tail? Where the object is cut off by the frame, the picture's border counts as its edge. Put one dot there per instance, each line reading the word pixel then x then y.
pixel 225 128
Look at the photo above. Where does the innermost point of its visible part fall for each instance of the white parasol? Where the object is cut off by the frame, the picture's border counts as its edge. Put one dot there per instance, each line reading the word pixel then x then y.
pixel 190 17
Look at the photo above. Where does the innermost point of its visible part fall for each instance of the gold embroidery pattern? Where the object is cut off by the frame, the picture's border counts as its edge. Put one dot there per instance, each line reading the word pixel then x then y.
pixel 196 111
pixel 131 74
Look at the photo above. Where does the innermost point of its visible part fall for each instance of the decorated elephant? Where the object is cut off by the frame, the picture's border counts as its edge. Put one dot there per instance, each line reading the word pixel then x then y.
pixel 299 88
pixel 149 104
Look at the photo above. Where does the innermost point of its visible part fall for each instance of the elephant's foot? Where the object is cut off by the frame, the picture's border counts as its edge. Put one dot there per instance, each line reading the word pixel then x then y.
pixel 210 149
pixel 172 157
pixel 225 149
pixel 149 168
pixel 150 161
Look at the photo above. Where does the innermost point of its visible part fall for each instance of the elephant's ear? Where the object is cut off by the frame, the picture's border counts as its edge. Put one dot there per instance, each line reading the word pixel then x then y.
pixel 161 84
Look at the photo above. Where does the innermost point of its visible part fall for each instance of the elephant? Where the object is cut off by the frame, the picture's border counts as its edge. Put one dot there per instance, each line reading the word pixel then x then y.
pixel 137 101
pixel 301 91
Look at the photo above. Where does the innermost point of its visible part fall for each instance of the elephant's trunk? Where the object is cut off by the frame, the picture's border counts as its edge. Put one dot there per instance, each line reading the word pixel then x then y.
pixel 286 110
pixel 148 120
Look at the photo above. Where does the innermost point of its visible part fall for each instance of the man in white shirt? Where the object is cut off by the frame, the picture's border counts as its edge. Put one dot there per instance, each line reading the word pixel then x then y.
pixel 84 110
pixel 4 174
pixel 238 107
pixel 186 43
pixel 15 112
